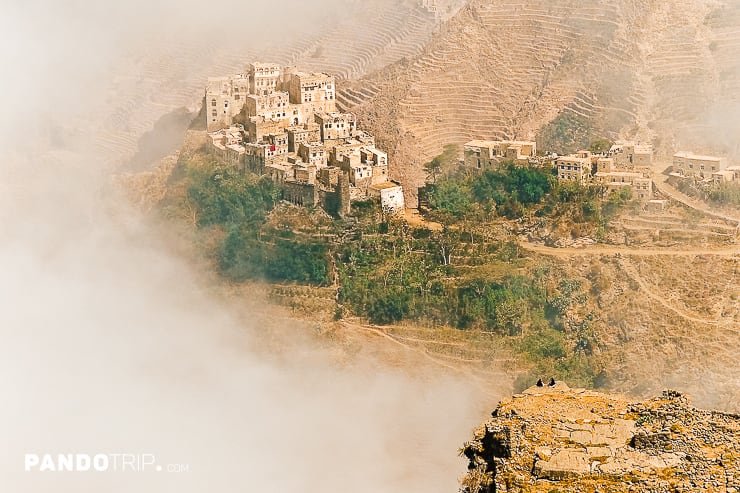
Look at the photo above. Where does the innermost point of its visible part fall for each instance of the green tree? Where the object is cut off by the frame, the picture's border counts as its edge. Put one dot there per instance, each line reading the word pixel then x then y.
pixel 451 197
pixel 433 169
pixel 225 196
pixel 390 307
pixel 600 146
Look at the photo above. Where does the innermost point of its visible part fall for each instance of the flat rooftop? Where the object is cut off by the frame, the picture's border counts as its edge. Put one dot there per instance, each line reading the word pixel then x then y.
pixel 385 185
pixel 700 157
pixel 487 143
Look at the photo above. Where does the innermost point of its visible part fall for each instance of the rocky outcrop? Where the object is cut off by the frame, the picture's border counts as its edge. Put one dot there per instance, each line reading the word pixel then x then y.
pixel 557 439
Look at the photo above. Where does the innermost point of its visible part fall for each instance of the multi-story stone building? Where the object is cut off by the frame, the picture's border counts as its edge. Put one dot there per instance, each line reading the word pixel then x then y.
pixel 272 106
pixel 313 153
pixel 642 186
pixel 313 88
pixel 576 167
pixel 336 126
pixel 224 99
pixel 615 172
pixel 228 144
pixel 629 154
pixel 695 165
pixel 308 132
pixel 259 126
pixel 264 78
pixel 485 154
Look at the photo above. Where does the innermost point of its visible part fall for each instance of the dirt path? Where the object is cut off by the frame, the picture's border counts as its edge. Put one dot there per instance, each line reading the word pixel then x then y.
pixel 409 347
pixel 471 369
pixel 653 293
pixel 659 177
pixel 624 250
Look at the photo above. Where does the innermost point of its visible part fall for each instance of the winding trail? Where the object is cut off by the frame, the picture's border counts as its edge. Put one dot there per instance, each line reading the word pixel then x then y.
pixel 660 180
pixel 651 293
pixel 624 250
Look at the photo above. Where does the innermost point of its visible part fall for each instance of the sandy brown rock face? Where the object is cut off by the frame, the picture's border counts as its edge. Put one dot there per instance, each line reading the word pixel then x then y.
pixel 558 439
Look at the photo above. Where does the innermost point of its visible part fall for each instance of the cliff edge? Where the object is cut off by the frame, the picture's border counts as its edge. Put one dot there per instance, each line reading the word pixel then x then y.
pixel 557 439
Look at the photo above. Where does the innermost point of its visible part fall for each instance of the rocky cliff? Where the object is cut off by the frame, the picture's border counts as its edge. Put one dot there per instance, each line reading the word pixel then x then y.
pixel 558 439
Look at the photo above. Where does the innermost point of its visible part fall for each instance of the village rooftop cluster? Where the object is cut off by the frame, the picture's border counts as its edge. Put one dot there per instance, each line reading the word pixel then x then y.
pixel 284 123
pixel 625 164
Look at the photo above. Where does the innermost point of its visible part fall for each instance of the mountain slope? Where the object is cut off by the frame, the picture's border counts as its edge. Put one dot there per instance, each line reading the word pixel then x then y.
pixel 657 71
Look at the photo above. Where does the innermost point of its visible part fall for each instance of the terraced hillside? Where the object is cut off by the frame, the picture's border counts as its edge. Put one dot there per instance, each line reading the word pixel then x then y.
pixel 349 42
pixel 507 68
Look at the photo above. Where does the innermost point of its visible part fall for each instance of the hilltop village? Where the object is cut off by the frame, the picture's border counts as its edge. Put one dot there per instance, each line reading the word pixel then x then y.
pixel 624 164
pixel 283 123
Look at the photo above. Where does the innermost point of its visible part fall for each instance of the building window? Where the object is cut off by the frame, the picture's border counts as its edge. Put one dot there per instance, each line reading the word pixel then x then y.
pixel 213 102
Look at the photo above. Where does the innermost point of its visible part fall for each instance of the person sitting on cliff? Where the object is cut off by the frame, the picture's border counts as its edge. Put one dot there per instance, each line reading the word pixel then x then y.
pixel 552 382
pixel 540 383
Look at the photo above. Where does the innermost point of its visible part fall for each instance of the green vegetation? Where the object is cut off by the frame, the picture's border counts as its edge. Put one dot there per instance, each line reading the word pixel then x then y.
pixel 239 204
pixel 567 133
pixel 583 208
pixel 245 254
pixel 513 188
pixel 600 146
pixel 442 163
pixel 510 191
pixel 451 198
pixel 226 197
pixel 515 192
pixel 726 194
pixel 469 275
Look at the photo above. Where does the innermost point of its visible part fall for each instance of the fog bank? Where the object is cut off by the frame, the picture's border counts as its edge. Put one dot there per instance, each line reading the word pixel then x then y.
pixel 112 344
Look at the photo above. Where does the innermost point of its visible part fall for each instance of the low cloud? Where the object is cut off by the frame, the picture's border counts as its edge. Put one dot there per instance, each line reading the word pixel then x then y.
pixel 112 343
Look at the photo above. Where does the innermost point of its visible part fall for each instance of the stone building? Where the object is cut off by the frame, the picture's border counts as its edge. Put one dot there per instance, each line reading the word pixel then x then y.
pixel 642 185
pixel 224 99
pixel 313 88
pixel 485 154
pixel 629 154
pixel 576 167
pixel 732 173
pixel 614 172
pixel 695 165
pixel 308 132
pixel 258 127
pixel 264 78
pixel 228 144
pixel 390 195
pixel 272 106
pixel 313 153
pixel 336 126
